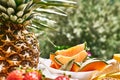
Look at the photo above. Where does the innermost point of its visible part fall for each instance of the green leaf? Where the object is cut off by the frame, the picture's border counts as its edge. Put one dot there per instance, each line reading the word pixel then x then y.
pixel 40 25
pixel 18 2
pixel 50 11
pixel 57 3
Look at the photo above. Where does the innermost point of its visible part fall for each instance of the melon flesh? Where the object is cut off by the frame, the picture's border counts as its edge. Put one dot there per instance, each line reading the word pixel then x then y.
pixel 75 67
pixel 79 57
pixel 71 51
pixel 91 65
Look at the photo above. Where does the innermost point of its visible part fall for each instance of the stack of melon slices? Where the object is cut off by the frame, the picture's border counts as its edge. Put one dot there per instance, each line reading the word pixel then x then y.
pixel 75 59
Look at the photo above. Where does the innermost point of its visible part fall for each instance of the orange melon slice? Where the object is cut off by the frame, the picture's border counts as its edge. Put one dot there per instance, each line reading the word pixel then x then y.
pixel 91 65
pixel 57 66
pixel 54 64
pixel 68 66
pixel 75 67
pixel 52 56
pixel 71 51
pixel 60 59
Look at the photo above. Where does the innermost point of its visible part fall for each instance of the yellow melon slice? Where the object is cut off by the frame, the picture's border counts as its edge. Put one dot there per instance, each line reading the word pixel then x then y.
pixel 71 51
pixel 116 57
pixel 60 59
pixel 114 75
pixel 110 76
pixel 91 65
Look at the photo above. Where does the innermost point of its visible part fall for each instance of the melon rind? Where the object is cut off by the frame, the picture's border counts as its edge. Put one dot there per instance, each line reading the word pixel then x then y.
pixel 90 65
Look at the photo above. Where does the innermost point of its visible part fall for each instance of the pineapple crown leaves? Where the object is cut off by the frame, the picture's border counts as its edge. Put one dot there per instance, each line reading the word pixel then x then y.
pixel 49 7
pixel 65 3
pixel 20 11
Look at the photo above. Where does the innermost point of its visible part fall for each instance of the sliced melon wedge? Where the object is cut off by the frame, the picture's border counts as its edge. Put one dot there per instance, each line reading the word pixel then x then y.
pixel 81 56
pixel 72 50
pixel 54 64
pixel 91 65
pixel 68 66
pixel 76 67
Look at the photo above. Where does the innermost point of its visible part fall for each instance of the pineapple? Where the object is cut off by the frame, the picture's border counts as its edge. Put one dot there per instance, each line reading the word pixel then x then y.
pixel 18 46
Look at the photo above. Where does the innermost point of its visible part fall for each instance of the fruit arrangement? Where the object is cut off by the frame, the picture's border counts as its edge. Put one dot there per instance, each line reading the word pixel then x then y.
pixel 75 59
pixel 104 70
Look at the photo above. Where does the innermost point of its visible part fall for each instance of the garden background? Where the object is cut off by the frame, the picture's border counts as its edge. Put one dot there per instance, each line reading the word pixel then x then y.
pixel 96 22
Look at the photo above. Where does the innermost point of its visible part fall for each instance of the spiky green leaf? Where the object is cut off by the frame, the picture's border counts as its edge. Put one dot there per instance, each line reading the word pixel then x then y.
pixel 50 11
pixel 65 3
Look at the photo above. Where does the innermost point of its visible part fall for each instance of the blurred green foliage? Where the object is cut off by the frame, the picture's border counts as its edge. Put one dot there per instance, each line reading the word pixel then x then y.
pixel 95 21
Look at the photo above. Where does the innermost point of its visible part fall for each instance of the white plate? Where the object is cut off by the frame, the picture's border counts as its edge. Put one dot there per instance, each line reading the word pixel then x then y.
pixel 53 73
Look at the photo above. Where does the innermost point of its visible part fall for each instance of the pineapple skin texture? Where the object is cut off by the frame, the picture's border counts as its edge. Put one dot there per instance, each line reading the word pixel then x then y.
pixel 17 47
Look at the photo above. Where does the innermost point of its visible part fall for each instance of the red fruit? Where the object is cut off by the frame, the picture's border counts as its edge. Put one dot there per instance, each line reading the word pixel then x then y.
pixel 15 75
pixel 32 76
pixel 39 75
pixel 62 78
